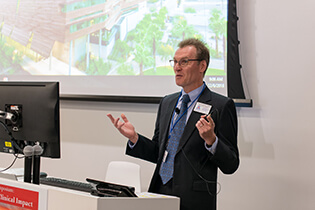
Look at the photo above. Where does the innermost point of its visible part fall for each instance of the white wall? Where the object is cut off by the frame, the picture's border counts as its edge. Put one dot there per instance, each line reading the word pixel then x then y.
pixel 276 136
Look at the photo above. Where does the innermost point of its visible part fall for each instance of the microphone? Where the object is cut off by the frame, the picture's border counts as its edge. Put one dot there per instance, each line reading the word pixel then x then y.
pixel 28 152
pixel 38 151
pixel 177 110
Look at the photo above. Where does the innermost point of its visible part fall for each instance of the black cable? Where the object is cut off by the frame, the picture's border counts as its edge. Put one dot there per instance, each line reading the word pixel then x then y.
pixel 13 140
pixel 15 145
pixel 6 129
pixel 7 168
pixel 215 116
pixel 201 177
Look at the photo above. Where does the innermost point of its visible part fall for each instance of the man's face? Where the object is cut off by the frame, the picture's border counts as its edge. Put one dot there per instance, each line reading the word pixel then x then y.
pixel 190 76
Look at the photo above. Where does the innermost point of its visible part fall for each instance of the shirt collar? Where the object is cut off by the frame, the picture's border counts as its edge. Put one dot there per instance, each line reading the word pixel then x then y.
pixel 192 94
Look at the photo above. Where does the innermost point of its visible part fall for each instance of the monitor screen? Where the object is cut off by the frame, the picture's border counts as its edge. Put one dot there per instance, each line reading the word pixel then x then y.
pixel 29 115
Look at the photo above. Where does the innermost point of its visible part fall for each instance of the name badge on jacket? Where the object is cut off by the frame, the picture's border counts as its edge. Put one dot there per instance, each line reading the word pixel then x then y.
pixel 202 108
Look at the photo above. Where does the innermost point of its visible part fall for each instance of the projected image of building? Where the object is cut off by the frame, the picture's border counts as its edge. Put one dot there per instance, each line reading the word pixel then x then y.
pixel 106 37
pixel 63 28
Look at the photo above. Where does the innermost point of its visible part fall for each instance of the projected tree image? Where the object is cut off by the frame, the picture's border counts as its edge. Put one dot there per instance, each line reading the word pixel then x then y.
pixel 99 37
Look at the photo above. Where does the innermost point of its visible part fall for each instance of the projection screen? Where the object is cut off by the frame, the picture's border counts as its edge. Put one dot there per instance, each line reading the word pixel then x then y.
pixel 109 47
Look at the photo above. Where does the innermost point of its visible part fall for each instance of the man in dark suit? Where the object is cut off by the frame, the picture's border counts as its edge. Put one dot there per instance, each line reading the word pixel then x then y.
pixel 208 141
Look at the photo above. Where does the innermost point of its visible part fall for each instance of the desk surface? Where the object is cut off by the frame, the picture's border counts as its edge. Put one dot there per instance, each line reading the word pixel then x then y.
pixel 53 198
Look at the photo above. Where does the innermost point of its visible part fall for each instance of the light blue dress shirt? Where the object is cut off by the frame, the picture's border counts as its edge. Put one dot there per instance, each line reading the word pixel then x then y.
pixel 193 95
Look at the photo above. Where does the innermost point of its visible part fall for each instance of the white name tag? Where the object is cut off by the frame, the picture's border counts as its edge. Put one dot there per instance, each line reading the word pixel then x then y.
pixel 202 108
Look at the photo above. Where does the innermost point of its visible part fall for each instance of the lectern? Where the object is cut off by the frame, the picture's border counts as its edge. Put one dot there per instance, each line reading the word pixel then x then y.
pixel 43 197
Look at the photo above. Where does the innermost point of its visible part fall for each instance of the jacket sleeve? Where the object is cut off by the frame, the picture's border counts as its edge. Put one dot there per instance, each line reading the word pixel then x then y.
pixel 226 156
pixel 146 148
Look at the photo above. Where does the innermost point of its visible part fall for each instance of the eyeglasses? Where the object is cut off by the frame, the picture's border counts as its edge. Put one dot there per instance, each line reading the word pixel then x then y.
pixel 182 62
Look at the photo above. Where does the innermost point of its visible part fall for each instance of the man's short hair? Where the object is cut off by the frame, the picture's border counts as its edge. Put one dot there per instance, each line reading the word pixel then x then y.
pixel 202 50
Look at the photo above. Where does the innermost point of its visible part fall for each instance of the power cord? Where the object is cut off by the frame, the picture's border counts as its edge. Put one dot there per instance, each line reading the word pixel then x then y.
pixel 7 168
pixel 13 140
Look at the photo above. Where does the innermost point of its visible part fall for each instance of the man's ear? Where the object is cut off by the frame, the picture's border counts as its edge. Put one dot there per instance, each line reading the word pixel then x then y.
pixel 203 66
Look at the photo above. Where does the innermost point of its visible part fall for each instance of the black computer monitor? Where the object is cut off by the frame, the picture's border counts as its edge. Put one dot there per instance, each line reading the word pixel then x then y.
pixel 30 112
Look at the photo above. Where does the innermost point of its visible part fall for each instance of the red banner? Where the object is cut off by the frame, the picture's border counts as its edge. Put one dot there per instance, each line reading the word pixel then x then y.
pixel 12 198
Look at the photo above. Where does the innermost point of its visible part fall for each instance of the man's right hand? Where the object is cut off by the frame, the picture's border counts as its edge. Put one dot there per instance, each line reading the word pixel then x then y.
pixel 125 128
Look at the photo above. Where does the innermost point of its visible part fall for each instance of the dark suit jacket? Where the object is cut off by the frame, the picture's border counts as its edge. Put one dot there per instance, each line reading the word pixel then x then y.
pixel 195 168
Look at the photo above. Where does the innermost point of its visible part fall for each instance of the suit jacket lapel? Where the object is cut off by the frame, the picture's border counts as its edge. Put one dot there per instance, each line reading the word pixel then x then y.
pixel 167 117
pixel 205 97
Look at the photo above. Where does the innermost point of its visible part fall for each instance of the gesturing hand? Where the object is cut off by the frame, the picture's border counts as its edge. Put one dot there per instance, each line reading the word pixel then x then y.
pixel 206 129
pixel 124 127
